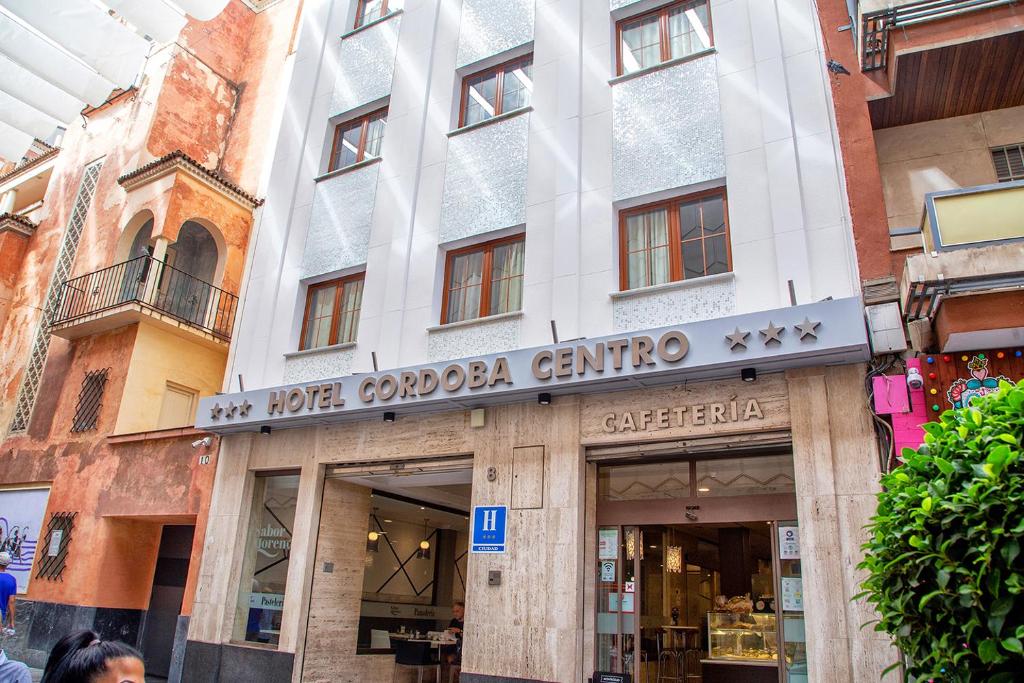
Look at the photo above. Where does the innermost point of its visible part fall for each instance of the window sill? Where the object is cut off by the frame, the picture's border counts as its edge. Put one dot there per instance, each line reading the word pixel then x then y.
pixel 718 278
pixel 663 65
pixel 320 349
pixel 347 169
pixel 370 24
pixel 514 315
pixel 494 119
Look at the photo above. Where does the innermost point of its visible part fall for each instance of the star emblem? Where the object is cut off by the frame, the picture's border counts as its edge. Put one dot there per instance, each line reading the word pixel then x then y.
pixel 737 338
pixel 771 333
pixel 215 411
pixel 243 409
pixel 232 409
pixel 807 328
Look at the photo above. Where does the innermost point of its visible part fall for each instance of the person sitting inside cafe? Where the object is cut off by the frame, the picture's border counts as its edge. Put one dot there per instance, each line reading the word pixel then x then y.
pixel 455 627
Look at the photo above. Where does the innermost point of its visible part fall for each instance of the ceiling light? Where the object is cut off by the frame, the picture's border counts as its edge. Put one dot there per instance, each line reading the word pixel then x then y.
pixel 424 544
pixel 389 416
pixel 703 489
pixel 387 521
pixel 265 429
pixel 544 399
pixel 372 536
pixel 748 374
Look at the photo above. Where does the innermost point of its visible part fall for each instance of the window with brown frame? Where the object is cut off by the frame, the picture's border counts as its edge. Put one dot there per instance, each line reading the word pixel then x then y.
pixel 357 140
pixel 371 10
pixel 485 279
pixel 680 239
pixel 496 91
pixel 332 312
pixel 670 32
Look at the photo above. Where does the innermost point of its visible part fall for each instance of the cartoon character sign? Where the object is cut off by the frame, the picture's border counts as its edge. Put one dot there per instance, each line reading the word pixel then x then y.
pixel 962 391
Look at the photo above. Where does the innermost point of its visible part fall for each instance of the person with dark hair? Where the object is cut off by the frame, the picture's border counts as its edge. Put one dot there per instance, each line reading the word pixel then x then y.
pixel 81 657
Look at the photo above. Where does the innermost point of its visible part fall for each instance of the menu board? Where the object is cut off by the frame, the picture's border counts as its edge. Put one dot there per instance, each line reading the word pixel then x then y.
pixel 789 543
pixel 792 594
pixel 607 544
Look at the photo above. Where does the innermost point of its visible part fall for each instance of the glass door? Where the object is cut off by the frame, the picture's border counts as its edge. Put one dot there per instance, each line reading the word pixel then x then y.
pixel 617 590
pixel 790 606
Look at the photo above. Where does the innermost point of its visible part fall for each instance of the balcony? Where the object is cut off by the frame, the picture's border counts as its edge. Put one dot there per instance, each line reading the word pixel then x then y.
pixel 967 289
pixel 144 287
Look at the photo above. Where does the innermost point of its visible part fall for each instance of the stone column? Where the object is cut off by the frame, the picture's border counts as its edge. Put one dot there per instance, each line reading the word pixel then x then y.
pixel 7 201
pixel 836 460
pixel 213 611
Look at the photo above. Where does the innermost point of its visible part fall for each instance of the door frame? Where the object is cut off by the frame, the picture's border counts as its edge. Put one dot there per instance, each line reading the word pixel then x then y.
pixel 771 508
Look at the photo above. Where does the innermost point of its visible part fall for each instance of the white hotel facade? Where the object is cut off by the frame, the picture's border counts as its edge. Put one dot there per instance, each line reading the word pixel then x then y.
pixel 459 181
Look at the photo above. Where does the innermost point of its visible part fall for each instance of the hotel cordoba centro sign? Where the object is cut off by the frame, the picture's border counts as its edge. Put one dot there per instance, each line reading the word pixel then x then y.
pixel 831 330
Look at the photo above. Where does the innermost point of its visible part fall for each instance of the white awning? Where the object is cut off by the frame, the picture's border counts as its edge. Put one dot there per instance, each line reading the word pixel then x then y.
pixel 58 57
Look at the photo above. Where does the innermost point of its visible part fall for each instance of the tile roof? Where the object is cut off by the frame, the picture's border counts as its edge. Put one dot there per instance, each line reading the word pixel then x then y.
pixel 17 223
pixel 179 158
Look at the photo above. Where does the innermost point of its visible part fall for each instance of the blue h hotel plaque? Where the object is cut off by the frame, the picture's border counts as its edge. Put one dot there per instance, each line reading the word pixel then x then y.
pixel 489 522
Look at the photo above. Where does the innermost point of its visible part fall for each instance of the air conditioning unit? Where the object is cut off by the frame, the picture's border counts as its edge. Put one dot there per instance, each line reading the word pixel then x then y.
pixel 885 327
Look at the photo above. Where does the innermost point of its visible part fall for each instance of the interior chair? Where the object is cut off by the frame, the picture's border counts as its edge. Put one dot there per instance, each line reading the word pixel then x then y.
pixel 379 639
pixel 414 655
pixel 668 661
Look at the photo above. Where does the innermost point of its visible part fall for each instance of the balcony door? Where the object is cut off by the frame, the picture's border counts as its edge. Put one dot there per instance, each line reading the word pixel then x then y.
pixel 186 287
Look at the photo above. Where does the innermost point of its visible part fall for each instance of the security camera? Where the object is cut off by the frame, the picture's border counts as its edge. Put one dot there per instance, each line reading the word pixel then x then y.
pixel 205 441
pixel 914 379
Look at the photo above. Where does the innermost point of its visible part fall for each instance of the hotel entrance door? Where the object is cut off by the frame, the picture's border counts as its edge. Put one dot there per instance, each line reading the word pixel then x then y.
pixel 698 576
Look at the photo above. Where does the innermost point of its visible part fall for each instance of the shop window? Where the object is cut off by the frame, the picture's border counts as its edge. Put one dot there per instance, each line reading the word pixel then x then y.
pixel 178 408
pixel 372 10
pixel 483 280
pixel 90 400
pixel 644 482
pixel 671 32
pixel 681 239
pixel 267 552
pixel 332 312
pixel 414 572
pixel 357 140
pixel 496 91
pixel 1009 162
pixel 758 475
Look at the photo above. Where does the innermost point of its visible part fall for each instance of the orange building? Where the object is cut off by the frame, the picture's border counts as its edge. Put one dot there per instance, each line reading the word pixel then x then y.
pixel 931 124
pixel 122 247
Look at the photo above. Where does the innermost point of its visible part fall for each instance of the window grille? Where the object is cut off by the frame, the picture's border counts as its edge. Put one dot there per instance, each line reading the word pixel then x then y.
pixel 53 554
pixel 90 400
pixel 65 260
pixel 1009 162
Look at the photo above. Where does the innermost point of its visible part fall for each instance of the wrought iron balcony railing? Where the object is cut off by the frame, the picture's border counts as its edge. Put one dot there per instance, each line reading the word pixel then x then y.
pixel 154 285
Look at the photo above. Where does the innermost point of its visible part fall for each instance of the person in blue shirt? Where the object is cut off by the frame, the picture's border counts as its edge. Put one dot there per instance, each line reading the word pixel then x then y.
pixel 10 671
pixel 8 589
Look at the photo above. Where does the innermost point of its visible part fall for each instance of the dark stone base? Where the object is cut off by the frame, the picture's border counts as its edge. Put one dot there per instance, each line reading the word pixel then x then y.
pixel 465 677
pixel 215 663
pixel 41 624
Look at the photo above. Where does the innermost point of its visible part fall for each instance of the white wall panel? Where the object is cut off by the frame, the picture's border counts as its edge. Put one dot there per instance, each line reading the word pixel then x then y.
pixel 339 225
pixel 485 179
pixel 490 27
pixel 667 129
pixel 366 64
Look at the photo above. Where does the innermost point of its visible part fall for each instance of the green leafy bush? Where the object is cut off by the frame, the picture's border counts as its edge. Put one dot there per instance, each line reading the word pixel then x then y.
pixel 944 561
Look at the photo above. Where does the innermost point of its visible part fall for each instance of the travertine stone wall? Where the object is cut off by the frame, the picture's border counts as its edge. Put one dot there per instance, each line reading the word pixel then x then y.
pixel 330 650
pixel 837 471
pixel 527 627
pixel 534 625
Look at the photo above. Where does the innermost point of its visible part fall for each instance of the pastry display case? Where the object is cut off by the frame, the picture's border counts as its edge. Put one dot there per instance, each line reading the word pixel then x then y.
pixel 742 637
